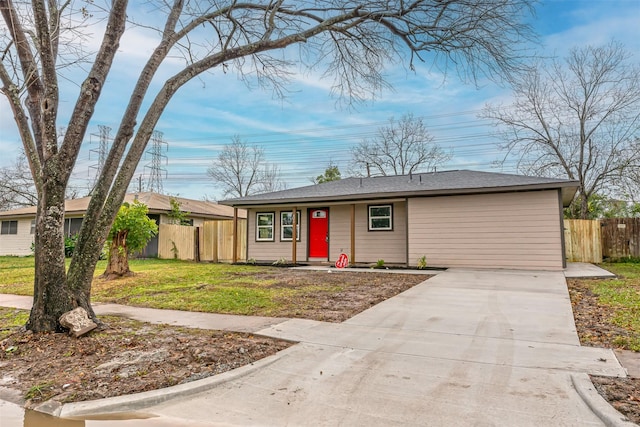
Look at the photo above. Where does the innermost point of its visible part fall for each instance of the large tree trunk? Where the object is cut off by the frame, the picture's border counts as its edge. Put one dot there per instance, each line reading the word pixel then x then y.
pixel 118 263
pixel 51 296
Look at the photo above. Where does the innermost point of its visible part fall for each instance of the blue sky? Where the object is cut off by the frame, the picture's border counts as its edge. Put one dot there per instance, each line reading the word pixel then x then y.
pixel 309 129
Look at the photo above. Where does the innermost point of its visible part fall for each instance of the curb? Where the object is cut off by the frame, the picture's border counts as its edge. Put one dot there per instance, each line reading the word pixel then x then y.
pixel 134 402
pixel 607 413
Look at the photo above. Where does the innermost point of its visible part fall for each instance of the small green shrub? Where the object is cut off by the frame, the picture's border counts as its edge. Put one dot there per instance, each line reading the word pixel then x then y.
pixel 422 262
pixel 70 245
pixel 379 264
pixel 281 261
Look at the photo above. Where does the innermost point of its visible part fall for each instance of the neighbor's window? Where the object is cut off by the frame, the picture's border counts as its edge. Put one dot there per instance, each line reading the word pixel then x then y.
pixel 380 217
pixel 264 226
pixel 9 227
pixel 33 226
pixel 286 226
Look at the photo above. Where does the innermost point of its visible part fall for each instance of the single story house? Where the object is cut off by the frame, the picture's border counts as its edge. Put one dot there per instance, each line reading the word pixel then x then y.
pixel 17 226
pixel 457 218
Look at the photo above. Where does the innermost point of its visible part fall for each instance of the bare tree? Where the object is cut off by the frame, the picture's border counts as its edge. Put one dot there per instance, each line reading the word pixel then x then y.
pixel 17 189
pixel 241 170
pixel 16 186
pixel 271 179
pixel 350 41
pixel 577 119
pixel 402 147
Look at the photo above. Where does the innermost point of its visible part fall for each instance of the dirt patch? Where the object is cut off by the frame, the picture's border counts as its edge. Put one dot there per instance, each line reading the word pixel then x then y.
pixel 125 356
pixel 595 329
pixel 349 293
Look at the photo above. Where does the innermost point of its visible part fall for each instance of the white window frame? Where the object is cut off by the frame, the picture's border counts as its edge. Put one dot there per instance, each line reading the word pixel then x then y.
pixel 289 226
pixel 374 217
pixel 259 227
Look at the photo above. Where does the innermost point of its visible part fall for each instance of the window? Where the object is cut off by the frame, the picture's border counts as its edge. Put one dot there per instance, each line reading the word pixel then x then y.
pixel 264 226
pixel 9 227
pixel 33 226
pixel 380 217
pixel 286 225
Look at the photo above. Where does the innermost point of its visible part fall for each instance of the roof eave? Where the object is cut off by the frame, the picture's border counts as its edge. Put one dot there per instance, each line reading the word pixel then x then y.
pixel 571 186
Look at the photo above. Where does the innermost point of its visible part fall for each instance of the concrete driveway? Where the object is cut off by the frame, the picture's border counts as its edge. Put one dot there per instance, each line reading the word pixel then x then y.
pixel 465 348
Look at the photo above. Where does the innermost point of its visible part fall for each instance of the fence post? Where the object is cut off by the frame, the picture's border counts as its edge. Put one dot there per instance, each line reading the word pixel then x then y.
pixel 234 258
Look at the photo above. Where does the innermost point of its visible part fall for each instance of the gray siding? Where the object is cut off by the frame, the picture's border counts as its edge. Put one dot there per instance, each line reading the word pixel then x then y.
pixel 508 230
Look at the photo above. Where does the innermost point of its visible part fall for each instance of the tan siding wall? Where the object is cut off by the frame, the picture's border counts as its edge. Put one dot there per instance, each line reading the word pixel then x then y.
pixel 340 231
pixel 17 244
pixel 391 246
pixel 273 251
pixel 510 230
pixel 370 245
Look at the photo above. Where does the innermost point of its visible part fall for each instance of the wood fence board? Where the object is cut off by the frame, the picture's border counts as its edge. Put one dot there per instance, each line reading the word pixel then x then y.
pixel 176 241
pixel 215 241
pixel 621 238
pixel 583 240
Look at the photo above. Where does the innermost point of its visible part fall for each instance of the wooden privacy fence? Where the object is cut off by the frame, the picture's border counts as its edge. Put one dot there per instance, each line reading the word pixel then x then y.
pixel 621 238
pixel 582 240
pixel 211 242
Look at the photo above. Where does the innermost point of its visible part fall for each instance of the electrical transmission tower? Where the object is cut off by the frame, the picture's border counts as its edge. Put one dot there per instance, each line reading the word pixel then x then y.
pixel 154 183
pixel 101 151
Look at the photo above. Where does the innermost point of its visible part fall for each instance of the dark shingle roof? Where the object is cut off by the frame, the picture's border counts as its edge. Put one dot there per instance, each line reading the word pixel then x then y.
pixel 419 184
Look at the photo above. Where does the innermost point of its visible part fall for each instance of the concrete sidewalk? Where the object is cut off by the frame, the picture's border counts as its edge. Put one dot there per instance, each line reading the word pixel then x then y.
pixel 464 348
pixel 467 347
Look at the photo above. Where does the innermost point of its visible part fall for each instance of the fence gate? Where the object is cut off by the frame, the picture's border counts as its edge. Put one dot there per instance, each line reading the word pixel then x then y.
pixel 582 240
pixel 621 238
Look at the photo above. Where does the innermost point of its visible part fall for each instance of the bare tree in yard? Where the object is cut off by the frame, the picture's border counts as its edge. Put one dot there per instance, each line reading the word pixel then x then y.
pixel 577 119
pixel 16 186
pixel 402 147
pixel 270 179
pixel 241 170
pixel 17 189
pixel 351 41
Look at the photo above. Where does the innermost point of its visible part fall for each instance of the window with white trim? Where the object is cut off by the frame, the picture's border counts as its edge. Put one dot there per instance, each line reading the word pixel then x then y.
pixel 286 225
pixel 33 227
pixel 380 217
pixel 264 226
pixel 9 227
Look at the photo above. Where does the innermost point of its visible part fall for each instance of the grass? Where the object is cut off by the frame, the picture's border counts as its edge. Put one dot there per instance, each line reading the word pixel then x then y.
pixel 622 295
pixel 174 284
pixel 10 319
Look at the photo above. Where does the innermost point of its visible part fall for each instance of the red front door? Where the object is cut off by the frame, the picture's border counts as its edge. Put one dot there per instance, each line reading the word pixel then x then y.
pixel 318 233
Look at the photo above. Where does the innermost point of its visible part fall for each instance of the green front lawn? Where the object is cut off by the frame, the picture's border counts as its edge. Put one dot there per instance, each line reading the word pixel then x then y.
pixel 622 297
pixel 170 284
pixel 232 289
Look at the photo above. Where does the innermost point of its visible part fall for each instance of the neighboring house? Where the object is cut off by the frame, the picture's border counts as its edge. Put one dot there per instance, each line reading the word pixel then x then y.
pixel 17 226
pixel 454 219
